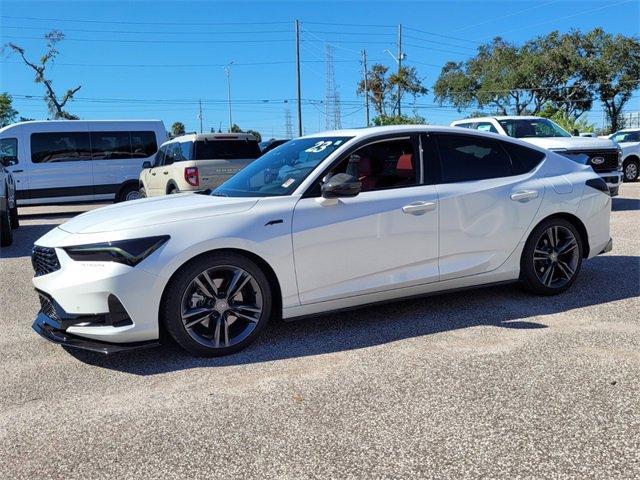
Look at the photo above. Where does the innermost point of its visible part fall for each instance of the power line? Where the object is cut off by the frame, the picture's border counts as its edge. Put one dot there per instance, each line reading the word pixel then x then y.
pixel 512 14
pixel 163 42
pixel 149 32
pixel 442 35
pixel 178 65
pixel 138 22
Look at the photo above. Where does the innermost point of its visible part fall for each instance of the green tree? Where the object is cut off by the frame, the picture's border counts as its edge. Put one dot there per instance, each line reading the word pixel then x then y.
pixel 383 91
pixel 612 64
pixel 7 113
pixel 55 104
pixel 235 129
pixel 568 122
pixel 398 120
pixel 256 134
pixel 177 129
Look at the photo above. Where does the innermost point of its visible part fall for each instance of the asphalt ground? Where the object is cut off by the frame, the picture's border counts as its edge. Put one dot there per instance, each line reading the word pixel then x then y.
pixel 489 383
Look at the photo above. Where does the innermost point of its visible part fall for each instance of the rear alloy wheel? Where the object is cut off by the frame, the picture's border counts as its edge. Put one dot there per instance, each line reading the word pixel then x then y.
pixel 217 305
pixel 552 257
pixel 631 170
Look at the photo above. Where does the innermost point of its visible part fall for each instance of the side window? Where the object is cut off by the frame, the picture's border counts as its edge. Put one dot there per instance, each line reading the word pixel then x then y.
pixel 524 159
pixel 185 148
pixel 159 159
pixel 173 153
pixel 467 158
pixel 143 144
pixel 9 150
pixel 386 164
pixel 485 127
pixel 110 145
pixel 60 147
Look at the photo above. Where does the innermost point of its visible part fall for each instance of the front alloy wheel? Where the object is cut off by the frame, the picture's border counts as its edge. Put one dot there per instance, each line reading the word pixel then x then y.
pixel 631 171
pixel 217 304
pixel 551 258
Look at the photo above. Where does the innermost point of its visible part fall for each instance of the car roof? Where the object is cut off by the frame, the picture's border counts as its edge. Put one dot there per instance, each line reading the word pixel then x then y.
pixel 192 137
pixel 499 117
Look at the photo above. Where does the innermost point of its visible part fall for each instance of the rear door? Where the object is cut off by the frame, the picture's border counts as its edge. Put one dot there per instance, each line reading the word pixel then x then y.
pixel 486 203
pixel 60 167
pixel 223 157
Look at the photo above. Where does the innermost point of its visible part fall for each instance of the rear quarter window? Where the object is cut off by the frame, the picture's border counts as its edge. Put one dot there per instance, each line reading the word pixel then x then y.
pixel 523 159
pixel 226 149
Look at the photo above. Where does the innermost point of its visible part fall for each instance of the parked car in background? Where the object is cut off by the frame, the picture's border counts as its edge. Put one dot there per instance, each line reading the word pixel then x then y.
pixel 197 161
pixel 603 155
pixel 269 145
pixel 8 205
pixel 629 141
pixel 325 222
pixel 62 161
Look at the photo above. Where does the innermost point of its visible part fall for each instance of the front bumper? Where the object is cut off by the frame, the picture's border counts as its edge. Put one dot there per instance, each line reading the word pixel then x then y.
pixel 613 181
pixel 608 247
pixel 51 330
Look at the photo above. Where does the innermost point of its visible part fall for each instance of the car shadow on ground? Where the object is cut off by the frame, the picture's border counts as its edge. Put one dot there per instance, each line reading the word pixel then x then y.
pixel 621 204
pixel 505 306
pixel 23 238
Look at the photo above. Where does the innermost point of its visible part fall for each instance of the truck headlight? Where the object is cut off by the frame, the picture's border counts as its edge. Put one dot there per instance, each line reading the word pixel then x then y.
pixel 129 252
pixel 619 159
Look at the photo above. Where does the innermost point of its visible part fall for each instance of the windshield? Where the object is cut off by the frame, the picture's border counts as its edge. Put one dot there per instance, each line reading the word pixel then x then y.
pixel 280 171
pixel 622 137
pixel 532 127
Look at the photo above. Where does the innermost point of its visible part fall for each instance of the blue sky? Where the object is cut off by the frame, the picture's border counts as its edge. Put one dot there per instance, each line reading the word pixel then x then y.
pixel 157 59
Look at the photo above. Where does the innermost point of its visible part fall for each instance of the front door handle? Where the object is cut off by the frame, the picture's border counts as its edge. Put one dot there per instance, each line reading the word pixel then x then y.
pixel 16 171
pixel 419 208
pixel 153 173
pixel 166 173
pixel 524 195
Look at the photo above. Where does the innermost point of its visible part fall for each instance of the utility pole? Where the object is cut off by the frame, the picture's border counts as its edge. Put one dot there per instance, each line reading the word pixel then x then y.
pixel 366 87
pixel 399 69
pixel 200 114
pixel 228 71
pixel 298 77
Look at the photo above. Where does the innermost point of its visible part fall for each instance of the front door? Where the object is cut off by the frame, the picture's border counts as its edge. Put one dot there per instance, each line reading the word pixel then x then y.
pixel 486 205
pixel 384 238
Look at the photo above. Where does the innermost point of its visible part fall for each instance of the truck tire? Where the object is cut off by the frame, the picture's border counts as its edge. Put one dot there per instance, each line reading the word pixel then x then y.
pixel 13 215
pixel 6 235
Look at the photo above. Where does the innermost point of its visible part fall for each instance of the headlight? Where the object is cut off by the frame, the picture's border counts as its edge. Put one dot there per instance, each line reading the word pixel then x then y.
pixel 129 252
pixel 619 159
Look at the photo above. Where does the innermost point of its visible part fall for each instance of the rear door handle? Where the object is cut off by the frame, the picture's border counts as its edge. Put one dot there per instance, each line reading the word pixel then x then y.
pixel 166 173
pixel 16 171
pixel 524 195
pixel 419 208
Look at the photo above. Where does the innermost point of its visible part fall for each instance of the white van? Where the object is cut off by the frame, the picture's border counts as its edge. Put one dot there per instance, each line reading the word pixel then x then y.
pixel 60 161
pixel 197 161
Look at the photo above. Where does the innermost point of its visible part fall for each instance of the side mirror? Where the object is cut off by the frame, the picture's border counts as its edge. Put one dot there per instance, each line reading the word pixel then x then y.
pixel 341 185
pixel 8 160
pixel 146 164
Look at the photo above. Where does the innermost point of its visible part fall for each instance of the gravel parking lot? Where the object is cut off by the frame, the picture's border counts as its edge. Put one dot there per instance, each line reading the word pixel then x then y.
pixel 491 383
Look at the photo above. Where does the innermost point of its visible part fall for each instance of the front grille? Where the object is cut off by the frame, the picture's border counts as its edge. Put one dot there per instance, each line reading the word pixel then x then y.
pixel 46 307
pixel 44 260
pixel 610 158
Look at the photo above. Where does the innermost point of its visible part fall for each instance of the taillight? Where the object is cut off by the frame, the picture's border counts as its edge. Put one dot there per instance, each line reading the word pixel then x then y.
pixel 191 176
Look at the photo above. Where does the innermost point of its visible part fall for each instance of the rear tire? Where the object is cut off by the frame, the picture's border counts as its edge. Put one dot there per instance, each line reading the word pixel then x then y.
pixel 6 235
pixel 13 214
pixel 143 193
pixel 216 304
pixel 551 258
pixel 127 193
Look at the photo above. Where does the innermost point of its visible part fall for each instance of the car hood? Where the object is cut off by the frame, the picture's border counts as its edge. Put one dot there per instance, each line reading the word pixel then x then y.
pixel 571 143
pixel 154 211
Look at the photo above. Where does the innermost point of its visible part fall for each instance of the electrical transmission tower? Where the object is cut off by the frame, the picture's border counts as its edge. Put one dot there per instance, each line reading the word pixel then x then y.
pixel 332 116
pixel 287 123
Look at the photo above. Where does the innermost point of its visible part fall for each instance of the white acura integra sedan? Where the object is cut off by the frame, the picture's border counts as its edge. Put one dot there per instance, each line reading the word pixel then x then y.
pixel 322 223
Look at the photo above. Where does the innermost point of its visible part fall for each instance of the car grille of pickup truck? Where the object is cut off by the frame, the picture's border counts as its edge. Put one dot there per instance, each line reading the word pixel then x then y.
pixel 610 158
pixel 44 260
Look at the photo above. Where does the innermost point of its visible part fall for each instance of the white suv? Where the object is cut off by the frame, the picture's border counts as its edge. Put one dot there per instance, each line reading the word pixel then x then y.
pixel 603 155
pixel 629 141
pixel 197 162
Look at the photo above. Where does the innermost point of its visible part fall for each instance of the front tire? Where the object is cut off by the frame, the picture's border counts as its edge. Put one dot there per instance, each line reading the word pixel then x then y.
pixel 217 304
pixel 143 193
pixel 631 170
pixel 551 258
pixel 13 215
pixel 6 235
